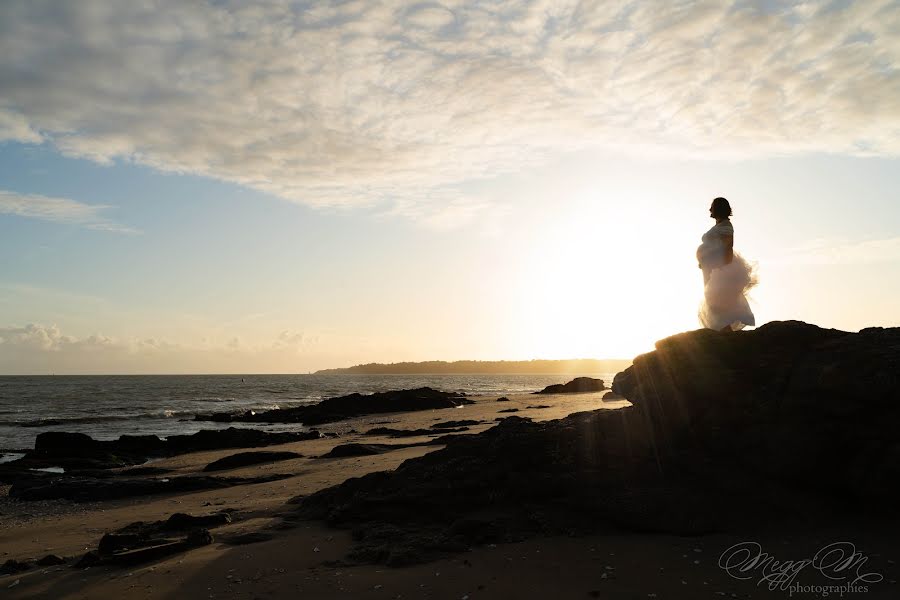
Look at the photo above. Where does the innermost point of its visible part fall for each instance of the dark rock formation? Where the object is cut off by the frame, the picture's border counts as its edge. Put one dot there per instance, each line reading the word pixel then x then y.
pixel 453 424
pixel 345 407
pixel 577 385
pixel 141 542
pixel 502 399
pixel 51 560
pixel 12 566
pixel 354 449
pixel 245 459
pixel 612 397
pixel 538 406
pixel 401 433
pixel 508 410
pixel 234 437
pixel 80 454
pixel 727 432
pixel 87 560
pixel 185 522
pixel 791 400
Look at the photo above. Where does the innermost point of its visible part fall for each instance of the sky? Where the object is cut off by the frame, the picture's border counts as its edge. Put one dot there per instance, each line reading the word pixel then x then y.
pixel 214 187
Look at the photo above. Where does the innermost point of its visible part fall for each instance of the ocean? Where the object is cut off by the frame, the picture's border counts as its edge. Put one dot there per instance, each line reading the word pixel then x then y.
pixel 107 406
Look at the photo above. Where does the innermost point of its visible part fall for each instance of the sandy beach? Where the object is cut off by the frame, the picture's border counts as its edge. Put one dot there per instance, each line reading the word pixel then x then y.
pixel 31 530
pixel 262 555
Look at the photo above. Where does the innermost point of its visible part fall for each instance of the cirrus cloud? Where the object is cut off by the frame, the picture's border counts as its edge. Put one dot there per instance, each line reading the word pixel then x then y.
pixel 362 103
pixel 59 210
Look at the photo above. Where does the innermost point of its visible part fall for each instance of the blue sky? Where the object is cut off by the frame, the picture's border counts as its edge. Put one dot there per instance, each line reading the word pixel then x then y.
pixel 210 188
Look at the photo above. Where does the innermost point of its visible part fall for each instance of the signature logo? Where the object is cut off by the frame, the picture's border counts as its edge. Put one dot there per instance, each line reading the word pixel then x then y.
pixel 837 562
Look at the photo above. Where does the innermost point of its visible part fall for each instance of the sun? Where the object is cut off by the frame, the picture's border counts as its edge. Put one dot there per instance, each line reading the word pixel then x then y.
pixel 588 290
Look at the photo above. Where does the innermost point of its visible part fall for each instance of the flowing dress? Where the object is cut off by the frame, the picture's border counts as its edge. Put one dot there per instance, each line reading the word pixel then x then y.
pixel 725 286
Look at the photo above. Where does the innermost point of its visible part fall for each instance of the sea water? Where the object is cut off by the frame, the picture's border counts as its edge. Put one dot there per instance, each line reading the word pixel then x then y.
pixel 107 406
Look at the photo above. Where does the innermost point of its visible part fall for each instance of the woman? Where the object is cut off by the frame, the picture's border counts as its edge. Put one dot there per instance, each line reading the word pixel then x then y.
pixel 726 275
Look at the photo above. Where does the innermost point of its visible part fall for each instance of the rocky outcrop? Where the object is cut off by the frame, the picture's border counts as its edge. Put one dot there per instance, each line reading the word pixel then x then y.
pixel 789 399
pixel 77 453
pixel 12 566
pixel 726 432
pixel 452 424
pixel 401 433
pixel 246 459
pixel 345 407
pixel 142 542
pixel 577 385
pixel 355 449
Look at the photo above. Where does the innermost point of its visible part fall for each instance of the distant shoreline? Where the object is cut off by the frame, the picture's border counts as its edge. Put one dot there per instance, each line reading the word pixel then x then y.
pixel 476 367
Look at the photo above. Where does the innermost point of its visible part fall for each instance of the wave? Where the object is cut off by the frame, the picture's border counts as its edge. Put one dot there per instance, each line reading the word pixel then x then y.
pixel 92 419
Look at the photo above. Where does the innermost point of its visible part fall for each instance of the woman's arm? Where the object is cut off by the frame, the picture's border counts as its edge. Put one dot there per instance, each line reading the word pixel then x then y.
pixel 727 248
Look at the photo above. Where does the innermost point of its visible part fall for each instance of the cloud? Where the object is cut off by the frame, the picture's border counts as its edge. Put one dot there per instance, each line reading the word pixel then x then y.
pixel 14 127
pixel 59 210
pixel 34 337
pixel 37 348
pixel 362 103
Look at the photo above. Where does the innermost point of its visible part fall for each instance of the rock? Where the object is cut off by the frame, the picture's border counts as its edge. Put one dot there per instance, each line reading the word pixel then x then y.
pixel 612 397
pixel 353 405
pixel 244 459
pixel 118 542
pixel 798 402
pixel 234 437
pixel 183 521
pixel 55 443
pixel 725 430
pixel 157 549
pixel 80 454
pixel 51 560
pixel 353 449
pixel 535 477
pixel 89 559
pixel 577 385
pixel 539 406
pixel 199 537
pixel 11 566
pixel 502 399
pixel 508 410
pixel 141 542
pixel 401 433
pixel 453 424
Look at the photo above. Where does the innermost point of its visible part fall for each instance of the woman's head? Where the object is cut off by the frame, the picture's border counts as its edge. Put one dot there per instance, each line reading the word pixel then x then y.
pixel 720 209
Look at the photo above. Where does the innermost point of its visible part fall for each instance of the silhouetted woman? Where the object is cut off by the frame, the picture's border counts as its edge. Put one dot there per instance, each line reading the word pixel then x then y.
pixel 727 277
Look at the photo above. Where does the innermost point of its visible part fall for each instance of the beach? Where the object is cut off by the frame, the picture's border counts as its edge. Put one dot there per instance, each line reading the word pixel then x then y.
pixel 34 529
pixel 309 558
pixel 696 486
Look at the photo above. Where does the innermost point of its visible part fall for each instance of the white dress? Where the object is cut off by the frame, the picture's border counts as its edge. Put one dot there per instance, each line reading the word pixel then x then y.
pixel 725 286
